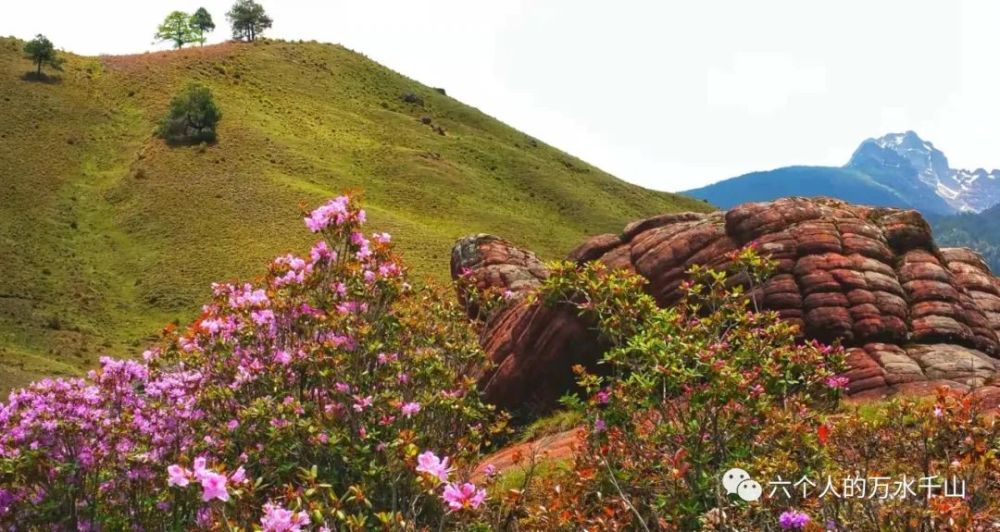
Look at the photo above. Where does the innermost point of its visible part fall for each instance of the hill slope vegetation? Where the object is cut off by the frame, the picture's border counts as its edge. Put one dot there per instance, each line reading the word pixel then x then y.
pixel 107 234
pixel 979 231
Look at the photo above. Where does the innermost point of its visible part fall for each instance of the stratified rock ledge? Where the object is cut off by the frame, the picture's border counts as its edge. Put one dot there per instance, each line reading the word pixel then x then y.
pixel 913 316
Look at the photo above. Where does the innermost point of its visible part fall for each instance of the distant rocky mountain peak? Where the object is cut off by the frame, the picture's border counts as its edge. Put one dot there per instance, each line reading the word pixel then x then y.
pixel 909 159
pixel 894 170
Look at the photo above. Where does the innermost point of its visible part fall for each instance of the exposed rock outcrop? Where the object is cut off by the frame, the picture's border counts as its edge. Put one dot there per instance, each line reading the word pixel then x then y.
pixel 912 315
pixel 487 261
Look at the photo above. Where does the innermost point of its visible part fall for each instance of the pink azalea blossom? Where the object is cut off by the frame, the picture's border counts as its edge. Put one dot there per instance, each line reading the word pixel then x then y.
pixel 361 403
pixel 321 251
pixel 178 476
pixel 408 409
pixel 459 496
pixel 239 476
pixel 428 462
pixel 388 269
pixel 204 517
pixel 837 382
pixel 793 520
pixel 603 396
pixel 262 317
pixel 199 467
pixel 278 519
pixel 213 486
pixel 211 326
pixel 282 357
pixel 334 212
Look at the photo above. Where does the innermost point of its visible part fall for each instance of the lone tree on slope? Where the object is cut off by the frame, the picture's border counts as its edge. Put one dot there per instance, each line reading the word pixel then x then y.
pixel 201 23
pixel 192 117
pixel 177 28
pixel 41 52
pixel 248 20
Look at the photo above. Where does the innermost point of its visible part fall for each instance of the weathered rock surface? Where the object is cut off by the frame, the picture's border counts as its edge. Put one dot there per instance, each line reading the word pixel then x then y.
pixel 488 261
pixel 912 315
pixel 527 455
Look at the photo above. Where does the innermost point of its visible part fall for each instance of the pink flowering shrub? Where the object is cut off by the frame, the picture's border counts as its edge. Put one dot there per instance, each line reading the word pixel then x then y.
pixel 309 400
pixel 684 394
pixel 689 392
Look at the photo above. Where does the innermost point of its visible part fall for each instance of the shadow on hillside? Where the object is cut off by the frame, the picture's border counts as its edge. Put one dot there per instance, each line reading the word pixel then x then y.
pixel 200 143
pixel 40 78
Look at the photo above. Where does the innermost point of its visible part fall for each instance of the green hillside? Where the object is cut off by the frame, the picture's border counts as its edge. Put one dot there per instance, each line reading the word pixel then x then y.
pixel 106 234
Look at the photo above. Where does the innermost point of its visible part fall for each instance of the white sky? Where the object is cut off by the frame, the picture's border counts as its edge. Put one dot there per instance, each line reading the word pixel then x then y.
pixel 670 95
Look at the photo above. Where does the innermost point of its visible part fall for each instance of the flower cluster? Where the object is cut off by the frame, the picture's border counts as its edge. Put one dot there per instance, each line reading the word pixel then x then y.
pixel 278 519
pixel 457 495
pixel 213 484
pixel 793 520
pixel 289 402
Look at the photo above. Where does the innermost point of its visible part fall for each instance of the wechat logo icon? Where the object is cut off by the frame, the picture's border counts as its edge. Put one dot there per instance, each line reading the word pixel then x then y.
pixel 739 482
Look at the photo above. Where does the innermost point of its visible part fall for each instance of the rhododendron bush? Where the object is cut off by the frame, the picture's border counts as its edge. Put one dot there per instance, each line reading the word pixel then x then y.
pixel 329 395
pixel 713 383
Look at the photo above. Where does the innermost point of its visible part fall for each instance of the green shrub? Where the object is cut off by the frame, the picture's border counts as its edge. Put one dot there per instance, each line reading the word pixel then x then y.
pixel 192 118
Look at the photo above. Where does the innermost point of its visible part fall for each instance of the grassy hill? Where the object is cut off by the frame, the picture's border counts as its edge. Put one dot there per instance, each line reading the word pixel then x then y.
pixel 843 183
pixel 107 234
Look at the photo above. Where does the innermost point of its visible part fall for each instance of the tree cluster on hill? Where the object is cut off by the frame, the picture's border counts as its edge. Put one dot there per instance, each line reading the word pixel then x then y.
pixel 181 28
pixel 248 20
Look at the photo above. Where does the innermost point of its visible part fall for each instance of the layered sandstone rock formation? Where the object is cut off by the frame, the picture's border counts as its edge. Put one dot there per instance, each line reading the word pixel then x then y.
pixel 521 380
pixel 486 261
pixel 912 315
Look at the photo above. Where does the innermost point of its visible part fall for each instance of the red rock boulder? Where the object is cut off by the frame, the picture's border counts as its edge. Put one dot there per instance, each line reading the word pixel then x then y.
pixel 913 315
